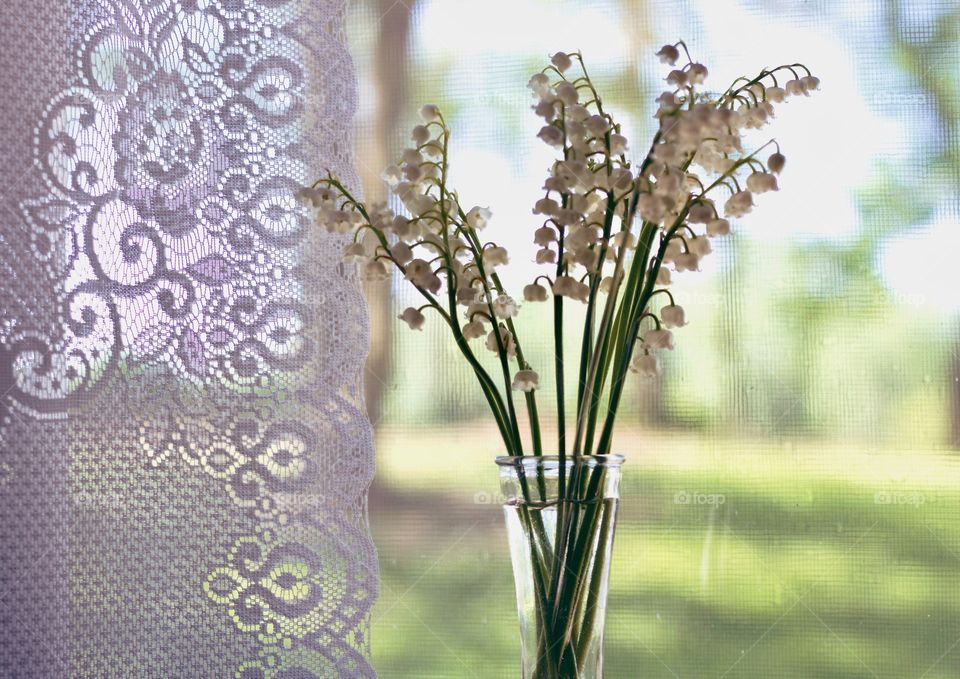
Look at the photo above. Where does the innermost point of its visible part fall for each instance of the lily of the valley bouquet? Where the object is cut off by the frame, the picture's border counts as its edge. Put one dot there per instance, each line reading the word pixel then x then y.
pixel 612 230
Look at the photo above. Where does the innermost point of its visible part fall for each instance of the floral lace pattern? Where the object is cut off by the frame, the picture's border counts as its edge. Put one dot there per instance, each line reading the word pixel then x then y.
pixel 178 349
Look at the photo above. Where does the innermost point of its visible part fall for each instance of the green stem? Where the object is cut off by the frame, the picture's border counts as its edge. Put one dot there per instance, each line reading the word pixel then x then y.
pixel 604 545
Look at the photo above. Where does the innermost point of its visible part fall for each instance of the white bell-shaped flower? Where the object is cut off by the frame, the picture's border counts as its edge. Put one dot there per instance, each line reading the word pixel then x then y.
pixel 658 339
pixel 568 286
pixel 645 364
pixel 478 217
pixel 374 270
pixel 546 206
pixel 776 94
pixel 761 182
pixel 544 236
pixel 701 213
pixel 699 246
pixel 687 261
pixel 526 380
pixel 546 256
pixel 495 256
pixel 473 330
pixel 673 316
pixel 534 292
pixel 506 338
pixel 413 318
pixel 551 135
pixel 668 54
pixel 718 227
pixel 697 73
pixel 504 306
pixel 738 204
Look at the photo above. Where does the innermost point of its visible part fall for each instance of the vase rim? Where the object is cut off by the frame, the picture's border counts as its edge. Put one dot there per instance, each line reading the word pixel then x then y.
pixel 612 460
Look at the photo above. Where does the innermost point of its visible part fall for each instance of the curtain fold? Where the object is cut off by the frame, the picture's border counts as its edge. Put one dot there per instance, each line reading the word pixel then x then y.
pixel 184 449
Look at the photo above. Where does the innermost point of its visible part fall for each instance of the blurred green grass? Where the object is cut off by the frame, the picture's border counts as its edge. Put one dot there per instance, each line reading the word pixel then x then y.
pixel 734 558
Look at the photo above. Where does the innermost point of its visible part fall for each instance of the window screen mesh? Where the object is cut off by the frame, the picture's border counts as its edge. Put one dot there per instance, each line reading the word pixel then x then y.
pixel 790 502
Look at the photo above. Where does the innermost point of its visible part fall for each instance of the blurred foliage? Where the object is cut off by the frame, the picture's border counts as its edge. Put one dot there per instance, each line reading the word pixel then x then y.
pixel 773 567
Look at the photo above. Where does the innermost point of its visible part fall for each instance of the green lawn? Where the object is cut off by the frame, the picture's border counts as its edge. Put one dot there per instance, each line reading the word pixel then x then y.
pixel 801 561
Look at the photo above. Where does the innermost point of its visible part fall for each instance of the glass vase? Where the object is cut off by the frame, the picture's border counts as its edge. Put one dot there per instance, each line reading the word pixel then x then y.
pixel 561 515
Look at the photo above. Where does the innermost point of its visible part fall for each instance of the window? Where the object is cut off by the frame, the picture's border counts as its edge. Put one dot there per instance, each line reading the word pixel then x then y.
pixel 790 496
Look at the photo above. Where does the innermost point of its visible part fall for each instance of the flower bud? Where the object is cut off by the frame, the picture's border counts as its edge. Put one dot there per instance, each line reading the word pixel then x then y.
pixel 776 161
pixel 430 113
pixel 420 134
pixel 561 61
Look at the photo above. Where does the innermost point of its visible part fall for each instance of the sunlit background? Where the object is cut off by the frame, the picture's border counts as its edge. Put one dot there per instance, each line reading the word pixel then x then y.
pixel 791 503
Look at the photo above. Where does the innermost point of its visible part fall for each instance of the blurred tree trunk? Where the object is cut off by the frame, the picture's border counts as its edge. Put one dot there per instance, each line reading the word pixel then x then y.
pixel 390 80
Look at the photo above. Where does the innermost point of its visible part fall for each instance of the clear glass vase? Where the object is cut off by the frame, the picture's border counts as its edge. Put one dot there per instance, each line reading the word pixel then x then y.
pixel 561 519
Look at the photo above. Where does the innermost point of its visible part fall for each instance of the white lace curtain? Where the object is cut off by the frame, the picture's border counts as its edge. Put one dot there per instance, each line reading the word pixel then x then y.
pixel 184 453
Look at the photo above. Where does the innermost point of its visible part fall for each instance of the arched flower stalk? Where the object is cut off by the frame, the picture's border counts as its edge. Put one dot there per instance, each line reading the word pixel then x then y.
pixel 613 228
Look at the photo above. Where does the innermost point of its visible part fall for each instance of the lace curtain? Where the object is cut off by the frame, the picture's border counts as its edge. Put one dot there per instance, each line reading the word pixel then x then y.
pixel 184 452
